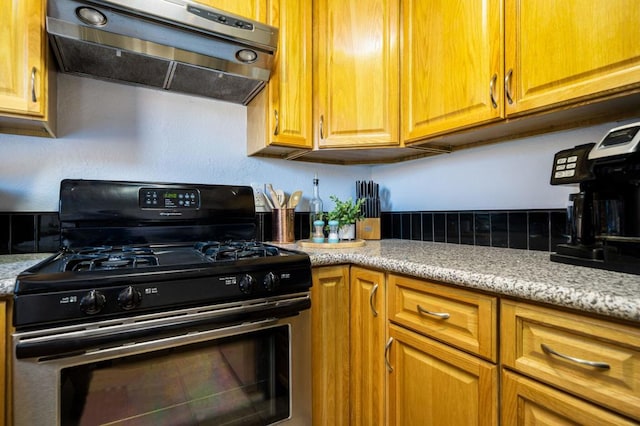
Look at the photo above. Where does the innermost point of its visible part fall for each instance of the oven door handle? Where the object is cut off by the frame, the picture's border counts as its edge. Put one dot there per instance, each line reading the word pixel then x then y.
pixel 73 345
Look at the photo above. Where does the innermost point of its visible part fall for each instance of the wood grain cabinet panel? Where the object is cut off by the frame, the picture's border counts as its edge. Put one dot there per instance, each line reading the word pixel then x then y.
pixel 452 65
pixel 590 358
pixel 27 87
pixel 356 73
pixel 568 51
pixel 461 318
pixel 527 402
pixel 330 345
pixel 368 331
pixel 4 385
pixel 434 384
pixel 279 119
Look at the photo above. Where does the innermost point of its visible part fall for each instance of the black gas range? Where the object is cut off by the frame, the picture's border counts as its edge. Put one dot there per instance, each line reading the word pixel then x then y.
pixel 131 248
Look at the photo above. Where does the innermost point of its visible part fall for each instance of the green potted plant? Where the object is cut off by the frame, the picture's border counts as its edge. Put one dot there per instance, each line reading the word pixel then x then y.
pixel 346 213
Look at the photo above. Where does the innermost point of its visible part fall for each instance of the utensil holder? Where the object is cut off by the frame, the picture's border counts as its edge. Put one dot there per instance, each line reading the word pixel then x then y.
pixel 283 225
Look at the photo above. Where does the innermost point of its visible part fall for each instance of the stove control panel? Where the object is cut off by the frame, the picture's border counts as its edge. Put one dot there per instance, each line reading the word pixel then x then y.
pixel 169 198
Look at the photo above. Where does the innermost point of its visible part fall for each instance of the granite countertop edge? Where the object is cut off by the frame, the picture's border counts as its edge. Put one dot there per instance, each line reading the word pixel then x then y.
pixel 589 290
pixel 522 274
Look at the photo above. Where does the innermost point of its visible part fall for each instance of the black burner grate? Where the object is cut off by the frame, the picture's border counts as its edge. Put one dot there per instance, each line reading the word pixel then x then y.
pixel 108 258
pixel 234 250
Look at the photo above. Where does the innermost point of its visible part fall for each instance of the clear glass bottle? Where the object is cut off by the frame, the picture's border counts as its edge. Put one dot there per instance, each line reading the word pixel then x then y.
pixel 315 205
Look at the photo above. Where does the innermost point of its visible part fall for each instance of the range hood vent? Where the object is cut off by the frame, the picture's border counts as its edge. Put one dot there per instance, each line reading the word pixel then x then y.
pixel 175 45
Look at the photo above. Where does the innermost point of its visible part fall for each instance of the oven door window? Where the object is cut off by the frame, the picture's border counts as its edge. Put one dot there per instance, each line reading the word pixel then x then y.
pixel 237 380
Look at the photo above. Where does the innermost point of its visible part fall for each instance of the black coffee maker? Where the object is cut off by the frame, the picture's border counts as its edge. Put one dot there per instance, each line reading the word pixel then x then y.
pixel 604 216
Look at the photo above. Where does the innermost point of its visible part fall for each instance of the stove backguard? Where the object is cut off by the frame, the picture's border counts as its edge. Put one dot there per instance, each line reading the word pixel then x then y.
pixel 95 212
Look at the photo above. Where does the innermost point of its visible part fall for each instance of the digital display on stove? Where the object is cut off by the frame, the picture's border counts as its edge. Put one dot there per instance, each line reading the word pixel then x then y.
pixel 154 198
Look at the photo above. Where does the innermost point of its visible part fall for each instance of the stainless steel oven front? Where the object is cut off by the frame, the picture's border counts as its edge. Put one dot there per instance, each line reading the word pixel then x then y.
pixel 229 364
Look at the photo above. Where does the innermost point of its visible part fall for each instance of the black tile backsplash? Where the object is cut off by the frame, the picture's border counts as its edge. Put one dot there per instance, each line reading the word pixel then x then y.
pixel 520 229
pixel 499 230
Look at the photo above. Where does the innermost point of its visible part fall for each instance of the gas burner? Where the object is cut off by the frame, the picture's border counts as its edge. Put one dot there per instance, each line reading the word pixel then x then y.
pixel 108 258
pixel 234 250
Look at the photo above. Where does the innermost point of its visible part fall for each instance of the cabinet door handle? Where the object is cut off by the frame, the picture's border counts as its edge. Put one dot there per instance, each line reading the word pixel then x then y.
pixel 507 86
pixel 372 294
pixel 277 129
pixel 322 127
pixel 387 347
pixel 34 98
pixel 602 365
pixel 492 90
pixel 441 315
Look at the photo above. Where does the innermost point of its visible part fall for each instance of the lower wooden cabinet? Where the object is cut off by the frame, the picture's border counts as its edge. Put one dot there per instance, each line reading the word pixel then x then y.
pixel 431 383
pixel 368 326
pixel 400 351
pixel 527 402
pixel 3 362
pixel 590 358
pixel 330 345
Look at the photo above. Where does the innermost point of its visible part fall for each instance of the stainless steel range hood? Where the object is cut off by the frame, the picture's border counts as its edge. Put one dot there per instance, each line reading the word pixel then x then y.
pixel 175 45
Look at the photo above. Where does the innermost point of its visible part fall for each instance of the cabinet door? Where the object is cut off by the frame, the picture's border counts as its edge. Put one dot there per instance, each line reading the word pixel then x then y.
pixel 281 115
pixel 3 362
pixel 368 324
pixel 23 75
pixel 451 65
pixel 561 52
pixel 527 402
pixel 330 345
pixel 433 384
pixel 252 9
pixel 356 66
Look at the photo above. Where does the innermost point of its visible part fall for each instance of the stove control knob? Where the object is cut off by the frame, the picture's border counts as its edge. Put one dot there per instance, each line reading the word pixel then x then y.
pixel 247 284
pixel 129 298
pixel 271 281
pixel 92 302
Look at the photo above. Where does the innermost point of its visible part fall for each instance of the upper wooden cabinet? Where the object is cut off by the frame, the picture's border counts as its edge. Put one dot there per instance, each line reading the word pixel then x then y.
pixel 252 9
pixel 562 52
pixel 26 106
pixel 279 118
pixel 452 68
pixel 356 73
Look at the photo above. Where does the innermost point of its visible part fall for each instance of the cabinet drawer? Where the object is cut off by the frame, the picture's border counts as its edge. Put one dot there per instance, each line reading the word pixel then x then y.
pixel 594 359
pixel 460 318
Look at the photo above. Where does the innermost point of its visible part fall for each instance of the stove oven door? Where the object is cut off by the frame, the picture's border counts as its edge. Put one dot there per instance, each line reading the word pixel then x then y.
pixel 249 373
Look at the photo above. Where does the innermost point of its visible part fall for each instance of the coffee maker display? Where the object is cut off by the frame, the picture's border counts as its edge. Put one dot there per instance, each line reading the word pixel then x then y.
pixel 604 216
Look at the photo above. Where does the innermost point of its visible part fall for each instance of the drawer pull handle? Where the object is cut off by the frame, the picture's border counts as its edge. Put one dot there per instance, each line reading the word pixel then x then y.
pixel 441 315
pixel 387 347
pixel 547 350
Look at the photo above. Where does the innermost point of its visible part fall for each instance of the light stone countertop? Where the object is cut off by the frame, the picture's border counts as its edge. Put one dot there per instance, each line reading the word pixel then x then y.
pixel 524 274
pixel 519 273
pixel 12 264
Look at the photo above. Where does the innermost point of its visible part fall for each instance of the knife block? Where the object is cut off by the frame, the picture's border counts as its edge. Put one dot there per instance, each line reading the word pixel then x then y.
pixel 368 229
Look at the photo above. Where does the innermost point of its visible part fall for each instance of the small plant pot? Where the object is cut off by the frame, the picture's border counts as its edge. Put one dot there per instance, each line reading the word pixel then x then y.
pixel 347 232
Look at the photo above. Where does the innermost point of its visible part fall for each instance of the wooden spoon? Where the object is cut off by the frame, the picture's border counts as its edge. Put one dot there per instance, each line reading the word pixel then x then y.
pixel 294 199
